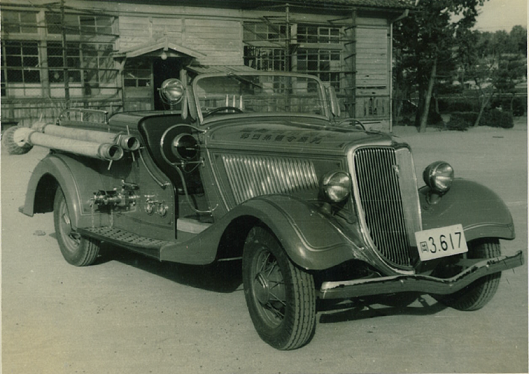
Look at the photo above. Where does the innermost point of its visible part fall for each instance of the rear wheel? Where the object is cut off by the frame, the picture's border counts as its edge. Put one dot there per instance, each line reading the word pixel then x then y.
pixel 477 294
pixel 76 250
pixel 280 296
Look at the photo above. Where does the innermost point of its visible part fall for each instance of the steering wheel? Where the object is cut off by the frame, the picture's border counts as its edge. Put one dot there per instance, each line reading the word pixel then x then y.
pixel 220 109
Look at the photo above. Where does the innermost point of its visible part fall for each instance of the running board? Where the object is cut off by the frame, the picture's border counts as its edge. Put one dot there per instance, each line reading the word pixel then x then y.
pixel 141 244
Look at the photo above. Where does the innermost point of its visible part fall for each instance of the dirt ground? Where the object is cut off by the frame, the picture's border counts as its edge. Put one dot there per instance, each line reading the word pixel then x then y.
pixel 129 314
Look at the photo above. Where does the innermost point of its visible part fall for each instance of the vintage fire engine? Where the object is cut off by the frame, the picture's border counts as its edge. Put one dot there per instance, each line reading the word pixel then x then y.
pixel 259 166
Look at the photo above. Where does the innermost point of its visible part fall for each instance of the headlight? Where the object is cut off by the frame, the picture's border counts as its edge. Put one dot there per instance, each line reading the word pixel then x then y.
pixel 336 186
pixel 439 176
pixel 172 91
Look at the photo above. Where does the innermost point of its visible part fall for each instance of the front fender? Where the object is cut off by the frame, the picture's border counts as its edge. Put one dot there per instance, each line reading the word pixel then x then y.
pixel 310 239
pixel 73 176
pixel 481 211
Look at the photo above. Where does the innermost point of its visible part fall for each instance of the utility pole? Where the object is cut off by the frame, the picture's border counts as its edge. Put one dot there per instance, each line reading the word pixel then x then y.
pixel 65 58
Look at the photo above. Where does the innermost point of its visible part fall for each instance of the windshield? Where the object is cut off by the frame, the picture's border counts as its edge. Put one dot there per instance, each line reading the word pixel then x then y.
pixel 259 93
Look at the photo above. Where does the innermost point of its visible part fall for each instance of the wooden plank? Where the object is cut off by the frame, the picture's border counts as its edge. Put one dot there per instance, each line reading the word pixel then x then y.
pixel 372 21
pixel 190 22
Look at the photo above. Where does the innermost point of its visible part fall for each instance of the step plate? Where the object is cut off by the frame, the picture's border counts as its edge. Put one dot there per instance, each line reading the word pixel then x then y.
pixel 122 237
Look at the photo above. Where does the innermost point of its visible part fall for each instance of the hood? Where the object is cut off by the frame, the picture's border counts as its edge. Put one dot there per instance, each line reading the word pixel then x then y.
pixel 295 135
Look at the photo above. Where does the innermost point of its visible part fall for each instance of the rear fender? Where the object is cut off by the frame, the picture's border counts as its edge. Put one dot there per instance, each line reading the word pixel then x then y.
pixel 481 211
pixel 74 177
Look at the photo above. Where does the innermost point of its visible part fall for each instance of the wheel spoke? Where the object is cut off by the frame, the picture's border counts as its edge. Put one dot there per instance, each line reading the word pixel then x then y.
pixel 275 311
pixel 277 298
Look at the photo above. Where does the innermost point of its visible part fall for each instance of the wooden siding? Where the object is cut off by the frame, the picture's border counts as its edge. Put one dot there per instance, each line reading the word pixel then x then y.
pixel 219 40
pixel 372 67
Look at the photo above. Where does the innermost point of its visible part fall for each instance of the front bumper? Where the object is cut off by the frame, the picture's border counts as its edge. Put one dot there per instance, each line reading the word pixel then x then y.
pixel 418 283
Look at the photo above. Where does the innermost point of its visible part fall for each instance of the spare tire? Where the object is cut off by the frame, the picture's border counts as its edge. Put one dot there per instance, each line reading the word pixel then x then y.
pixel 15 144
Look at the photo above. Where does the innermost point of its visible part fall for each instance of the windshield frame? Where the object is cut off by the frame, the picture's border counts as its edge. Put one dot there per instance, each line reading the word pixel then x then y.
pixel 196 101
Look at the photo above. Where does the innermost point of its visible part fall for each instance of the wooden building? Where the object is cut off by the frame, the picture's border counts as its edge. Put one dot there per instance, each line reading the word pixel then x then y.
pixel 113 55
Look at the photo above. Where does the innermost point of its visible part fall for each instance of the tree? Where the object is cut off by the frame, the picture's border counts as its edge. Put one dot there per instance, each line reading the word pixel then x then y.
pixel 495 62
pixel 427 39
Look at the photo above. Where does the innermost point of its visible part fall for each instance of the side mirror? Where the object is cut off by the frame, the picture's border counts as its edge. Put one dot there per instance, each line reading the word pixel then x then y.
pixel 335 106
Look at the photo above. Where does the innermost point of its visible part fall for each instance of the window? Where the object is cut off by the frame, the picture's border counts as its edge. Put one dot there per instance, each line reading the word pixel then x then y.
pixel 138 73
pixel 318 50
pixel 19 22
pixel 324 63
pixel 21 62
pixel 79 24
pixel 88 63
pixel 264 32
pixel 56 65
pixel 267 59
pixel 318 34
pixel 265 47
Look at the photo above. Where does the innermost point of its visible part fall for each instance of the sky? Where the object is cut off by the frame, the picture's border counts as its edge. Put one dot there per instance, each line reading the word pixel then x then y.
pixel 502 15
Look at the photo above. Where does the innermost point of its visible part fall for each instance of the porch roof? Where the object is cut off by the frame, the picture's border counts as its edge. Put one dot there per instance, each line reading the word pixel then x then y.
pixel 157 48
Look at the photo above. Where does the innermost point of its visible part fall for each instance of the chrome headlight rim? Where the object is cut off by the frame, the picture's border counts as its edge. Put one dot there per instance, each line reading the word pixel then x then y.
pixel 439 176
pixel 172 91
pixel 336 186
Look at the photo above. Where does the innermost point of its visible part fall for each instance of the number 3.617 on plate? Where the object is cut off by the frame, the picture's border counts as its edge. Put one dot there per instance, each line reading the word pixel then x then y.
pixel 441 242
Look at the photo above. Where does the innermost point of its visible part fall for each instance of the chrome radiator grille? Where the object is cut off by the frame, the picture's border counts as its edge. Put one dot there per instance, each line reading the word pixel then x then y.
pixel 252 176
pixel 388 197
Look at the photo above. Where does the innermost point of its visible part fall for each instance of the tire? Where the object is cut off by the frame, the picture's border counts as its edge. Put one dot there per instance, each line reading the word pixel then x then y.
pixel 76 250
pixel 477 294
pixel 14 146
pixel 281 297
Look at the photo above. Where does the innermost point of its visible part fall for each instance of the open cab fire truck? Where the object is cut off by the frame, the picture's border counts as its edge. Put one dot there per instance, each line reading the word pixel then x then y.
pixel 259 166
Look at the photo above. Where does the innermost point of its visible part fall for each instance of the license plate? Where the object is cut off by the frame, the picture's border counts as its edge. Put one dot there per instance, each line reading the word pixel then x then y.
pixel 441 242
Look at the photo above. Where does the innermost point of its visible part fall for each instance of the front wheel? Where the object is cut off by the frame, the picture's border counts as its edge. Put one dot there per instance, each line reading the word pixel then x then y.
pixel 280 296
pixel 477 294
pixel 76 250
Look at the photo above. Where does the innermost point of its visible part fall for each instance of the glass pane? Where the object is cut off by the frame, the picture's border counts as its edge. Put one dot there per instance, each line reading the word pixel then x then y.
pixel 32 76
pixel 13 61
pixel 104 21
pixel 90 76
pixel 130 82
pixel 31 61
pixel 104 30
pixel 53 22
pixel 56 76
pixel 30 49
pixel 87 21
pixel 14 76
pixel 54 62
pixel 73 62
pixel 72 24
pixel 10 22
pixel 75 76
pixel 29 21
pixel 13 48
